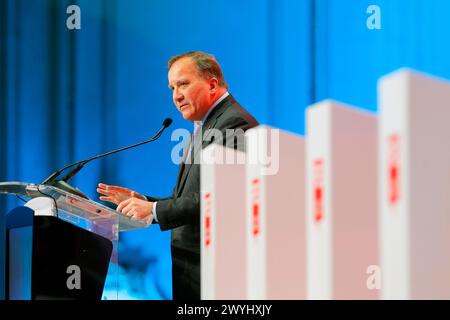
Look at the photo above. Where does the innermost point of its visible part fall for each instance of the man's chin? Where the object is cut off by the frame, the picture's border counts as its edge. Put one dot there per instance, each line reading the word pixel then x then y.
pixel 187 116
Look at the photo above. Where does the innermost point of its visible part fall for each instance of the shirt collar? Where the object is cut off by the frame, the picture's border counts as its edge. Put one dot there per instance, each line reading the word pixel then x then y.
pixel 198 123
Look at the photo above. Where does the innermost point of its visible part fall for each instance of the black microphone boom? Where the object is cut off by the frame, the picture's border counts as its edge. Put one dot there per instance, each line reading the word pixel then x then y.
pixel 80 164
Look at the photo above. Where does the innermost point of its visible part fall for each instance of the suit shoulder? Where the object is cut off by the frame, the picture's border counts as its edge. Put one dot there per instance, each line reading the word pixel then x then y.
pixel 236 115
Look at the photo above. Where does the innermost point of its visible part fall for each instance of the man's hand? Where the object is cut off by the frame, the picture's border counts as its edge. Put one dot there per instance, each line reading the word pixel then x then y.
pixel 137 209
pixel 117 194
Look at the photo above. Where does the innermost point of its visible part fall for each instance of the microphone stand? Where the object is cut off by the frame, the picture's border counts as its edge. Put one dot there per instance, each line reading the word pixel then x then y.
pixel 62 184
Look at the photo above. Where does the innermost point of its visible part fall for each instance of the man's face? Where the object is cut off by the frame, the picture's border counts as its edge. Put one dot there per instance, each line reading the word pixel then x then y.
pixel 191 93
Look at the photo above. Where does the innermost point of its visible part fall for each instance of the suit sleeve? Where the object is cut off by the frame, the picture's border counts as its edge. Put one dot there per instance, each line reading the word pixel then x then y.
pixel 175 212
pixel 154 199
pixel 234 133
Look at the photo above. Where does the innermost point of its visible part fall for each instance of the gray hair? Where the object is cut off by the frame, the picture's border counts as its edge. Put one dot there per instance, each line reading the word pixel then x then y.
pixel 207 65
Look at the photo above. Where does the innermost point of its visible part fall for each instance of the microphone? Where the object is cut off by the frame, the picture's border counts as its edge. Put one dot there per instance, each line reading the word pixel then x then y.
pixel 167 122
pixel 62 184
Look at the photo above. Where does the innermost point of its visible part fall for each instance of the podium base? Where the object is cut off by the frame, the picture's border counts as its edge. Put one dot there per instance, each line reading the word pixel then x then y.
pixel 67 262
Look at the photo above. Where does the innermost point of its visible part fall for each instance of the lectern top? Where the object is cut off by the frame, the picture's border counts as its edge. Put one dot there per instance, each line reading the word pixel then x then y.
pixel 72 204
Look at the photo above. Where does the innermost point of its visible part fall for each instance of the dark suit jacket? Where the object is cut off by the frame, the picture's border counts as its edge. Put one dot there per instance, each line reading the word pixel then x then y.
pixel 181 211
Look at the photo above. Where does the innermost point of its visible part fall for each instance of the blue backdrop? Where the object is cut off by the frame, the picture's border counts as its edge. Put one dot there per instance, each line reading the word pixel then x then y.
pixel 70 94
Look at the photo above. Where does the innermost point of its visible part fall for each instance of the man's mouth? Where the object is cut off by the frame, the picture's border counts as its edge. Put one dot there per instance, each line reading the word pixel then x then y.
pixel 183 106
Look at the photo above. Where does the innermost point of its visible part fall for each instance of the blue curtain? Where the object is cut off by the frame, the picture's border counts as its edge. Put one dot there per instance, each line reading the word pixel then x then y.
pixel 351 58
pixel 70 94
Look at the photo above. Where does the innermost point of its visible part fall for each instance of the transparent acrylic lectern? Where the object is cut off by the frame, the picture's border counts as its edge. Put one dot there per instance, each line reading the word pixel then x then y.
pixel 61 246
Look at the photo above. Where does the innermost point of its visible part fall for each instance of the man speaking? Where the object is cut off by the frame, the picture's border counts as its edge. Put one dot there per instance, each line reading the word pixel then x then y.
pixel 200 93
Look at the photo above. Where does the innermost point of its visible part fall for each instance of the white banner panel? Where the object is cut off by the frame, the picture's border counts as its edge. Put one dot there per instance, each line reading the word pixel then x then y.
pixel 341 197
pixel 414 190
pixel 275 214
pixel 223 242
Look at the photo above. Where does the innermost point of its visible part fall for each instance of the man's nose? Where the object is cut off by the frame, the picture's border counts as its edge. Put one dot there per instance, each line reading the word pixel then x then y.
pixel 177 96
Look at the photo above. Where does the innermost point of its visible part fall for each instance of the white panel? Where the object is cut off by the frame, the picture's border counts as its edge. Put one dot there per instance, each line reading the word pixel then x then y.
pixel 42 206
pixel 223 249
pixel 207 245
pixel 414 202
pixel 341 201
pixel 275 214
pixel 318 211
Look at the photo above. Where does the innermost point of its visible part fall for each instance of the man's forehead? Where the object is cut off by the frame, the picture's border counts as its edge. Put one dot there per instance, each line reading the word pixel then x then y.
pixel 184 65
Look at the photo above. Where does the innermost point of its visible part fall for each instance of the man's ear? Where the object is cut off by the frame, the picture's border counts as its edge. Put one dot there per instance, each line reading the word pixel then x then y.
pixel 213 85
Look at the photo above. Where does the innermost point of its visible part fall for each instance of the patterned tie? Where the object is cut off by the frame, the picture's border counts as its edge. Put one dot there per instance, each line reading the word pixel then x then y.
pixel 191 152
pixel 191 143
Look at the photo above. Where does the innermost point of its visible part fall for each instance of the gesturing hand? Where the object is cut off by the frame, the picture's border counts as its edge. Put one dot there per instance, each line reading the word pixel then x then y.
pixel 117 194
pixel 137 209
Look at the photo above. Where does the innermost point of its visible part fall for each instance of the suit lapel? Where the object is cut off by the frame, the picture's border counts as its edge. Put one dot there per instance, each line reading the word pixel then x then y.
pixel 182 166
pixel 185 150
pixel 206 134
pixel 209 123
pixel 187 166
